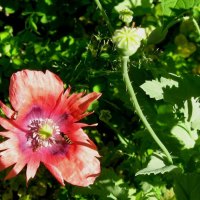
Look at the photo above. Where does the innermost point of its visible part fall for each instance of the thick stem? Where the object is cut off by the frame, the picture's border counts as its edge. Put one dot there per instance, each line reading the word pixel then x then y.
pixel 136 105
pixel 196 25
pixel 105 16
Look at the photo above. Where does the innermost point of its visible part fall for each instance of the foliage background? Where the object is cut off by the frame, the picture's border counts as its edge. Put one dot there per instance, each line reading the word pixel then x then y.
pixel 70 38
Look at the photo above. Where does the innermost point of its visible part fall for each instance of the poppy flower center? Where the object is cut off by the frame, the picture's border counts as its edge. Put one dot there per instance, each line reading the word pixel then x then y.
pixel 42 133
pixel 45 131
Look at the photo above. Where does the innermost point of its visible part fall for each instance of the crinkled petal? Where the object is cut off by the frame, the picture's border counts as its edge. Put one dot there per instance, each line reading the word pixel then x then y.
pixel 35 95
pixel 85 165
pixel 34 88
pixel 80 137
pixel 85 101
pixel 77 164
pixel 71 109
pixel 79 106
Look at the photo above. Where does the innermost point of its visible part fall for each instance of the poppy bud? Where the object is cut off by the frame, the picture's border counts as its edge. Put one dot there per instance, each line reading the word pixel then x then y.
pixel 128 40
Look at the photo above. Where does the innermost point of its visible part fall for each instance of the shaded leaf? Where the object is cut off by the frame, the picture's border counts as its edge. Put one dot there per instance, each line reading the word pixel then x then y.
pixel 187 186
pixel 157 35
pixel 188 86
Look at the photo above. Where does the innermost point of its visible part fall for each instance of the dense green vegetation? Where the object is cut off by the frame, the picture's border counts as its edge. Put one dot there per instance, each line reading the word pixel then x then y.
pixel 72 39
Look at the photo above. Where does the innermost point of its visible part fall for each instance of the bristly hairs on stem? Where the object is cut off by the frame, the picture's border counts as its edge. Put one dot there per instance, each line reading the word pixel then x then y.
pixel 104 16
pixel 125 60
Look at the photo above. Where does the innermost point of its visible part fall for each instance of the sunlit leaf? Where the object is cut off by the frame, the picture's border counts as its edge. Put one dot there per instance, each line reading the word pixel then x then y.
pixel 169 5
pixel 191 112
pixel 185 135
pixel 154 88
pixel 156 166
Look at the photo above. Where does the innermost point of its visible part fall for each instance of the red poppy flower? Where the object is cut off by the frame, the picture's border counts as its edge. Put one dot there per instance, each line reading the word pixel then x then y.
pixel 43 128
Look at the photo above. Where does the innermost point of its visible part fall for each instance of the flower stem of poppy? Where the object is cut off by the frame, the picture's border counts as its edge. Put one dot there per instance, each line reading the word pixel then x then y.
pixel 125 60
pixel 196 25
pixel 104 16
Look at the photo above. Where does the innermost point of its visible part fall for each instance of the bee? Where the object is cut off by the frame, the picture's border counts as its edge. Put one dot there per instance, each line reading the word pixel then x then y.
pixel 66 138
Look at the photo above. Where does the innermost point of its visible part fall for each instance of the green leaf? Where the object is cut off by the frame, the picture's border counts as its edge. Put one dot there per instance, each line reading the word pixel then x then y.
pixel 9 10
pixel 156 166
pixel 191 112
pixel 169 5
pixel 32 24
pixel 188 86
pixel 157 35
pixel 154 88
pixel 187 187
pixel 185 135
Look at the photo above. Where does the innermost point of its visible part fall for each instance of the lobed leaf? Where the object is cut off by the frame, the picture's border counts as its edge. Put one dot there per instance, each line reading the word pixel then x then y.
pixel 154 88
pixel 156 166
pixel 185 135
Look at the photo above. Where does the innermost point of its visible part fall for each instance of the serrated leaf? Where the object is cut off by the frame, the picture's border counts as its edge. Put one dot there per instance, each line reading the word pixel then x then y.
pixel 169 5
pixel 156 166
pixel 185 135
pixel 191 112
pixel 154 88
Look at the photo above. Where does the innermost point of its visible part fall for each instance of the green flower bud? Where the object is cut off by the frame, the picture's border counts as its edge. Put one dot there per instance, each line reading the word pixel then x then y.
pixel 126 16
pixel 128 40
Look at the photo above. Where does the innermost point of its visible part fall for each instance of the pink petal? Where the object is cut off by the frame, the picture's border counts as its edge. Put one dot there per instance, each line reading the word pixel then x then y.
pixel 81 138
pixel 87 100
pixel 16 169
pixel 9 125
pixel 7 111
pixel 28 88
pixel 73 109
pixel 8 144
pixel 77 164
pixel 86 167
pixel 32 167
pixel 55 172
pixel 79 106
pixel 8 158
pixel 7 134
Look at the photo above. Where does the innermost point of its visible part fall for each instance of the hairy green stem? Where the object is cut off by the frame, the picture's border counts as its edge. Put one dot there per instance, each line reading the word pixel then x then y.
pixel 196 25
pixel 125 60
pixel 104 16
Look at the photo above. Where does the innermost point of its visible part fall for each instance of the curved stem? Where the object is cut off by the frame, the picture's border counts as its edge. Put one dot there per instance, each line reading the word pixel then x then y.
pixel 136 105
pixel 196 25
pixel 104 16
